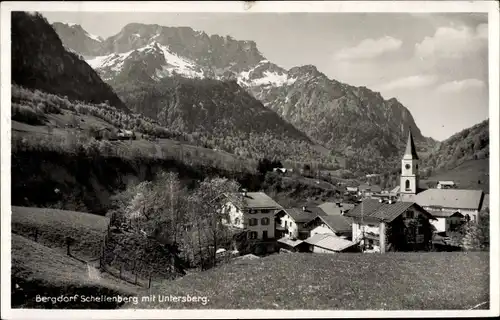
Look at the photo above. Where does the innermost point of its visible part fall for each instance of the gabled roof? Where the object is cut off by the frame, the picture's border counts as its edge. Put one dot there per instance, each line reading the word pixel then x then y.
pixel 255 200
pixel 299 215
pixel 290 242
pixel 329 242
pixel 450 198
pixel 372 210
pixel 445 214
pixel 337 223
pixel 410 151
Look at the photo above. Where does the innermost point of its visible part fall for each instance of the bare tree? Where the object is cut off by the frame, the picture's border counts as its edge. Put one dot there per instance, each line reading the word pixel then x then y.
pixel 212 200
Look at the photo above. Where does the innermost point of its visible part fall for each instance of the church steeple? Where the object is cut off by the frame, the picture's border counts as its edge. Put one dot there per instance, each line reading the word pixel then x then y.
pixel 409 171
pixel 410 152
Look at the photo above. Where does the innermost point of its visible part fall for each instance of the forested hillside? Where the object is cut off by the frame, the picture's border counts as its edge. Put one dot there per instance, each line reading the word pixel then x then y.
pixel 40 61
pixel 469 144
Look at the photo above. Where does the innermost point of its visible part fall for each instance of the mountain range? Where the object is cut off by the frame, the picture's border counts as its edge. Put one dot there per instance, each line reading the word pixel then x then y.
pixel 351 121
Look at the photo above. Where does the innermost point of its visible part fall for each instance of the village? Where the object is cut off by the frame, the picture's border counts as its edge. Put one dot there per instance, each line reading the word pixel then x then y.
pixel 406 218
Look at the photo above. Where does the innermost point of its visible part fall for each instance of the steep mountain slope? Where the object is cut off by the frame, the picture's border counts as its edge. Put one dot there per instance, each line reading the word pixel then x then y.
pixel 218 112
pixel 40 61
pixel 469 144
pixel 352 121
pixel 79 40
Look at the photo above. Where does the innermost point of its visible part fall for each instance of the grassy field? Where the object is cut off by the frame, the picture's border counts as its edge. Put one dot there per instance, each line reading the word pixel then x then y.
pixel 39 270
pixel 55 225
pixel 468 174
pixel 411 281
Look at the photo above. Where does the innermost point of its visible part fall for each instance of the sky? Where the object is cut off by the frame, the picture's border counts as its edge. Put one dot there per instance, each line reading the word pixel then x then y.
pixel 435 64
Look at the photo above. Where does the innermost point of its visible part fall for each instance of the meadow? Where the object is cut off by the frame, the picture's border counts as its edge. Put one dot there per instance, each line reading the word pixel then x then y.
pixel 349 281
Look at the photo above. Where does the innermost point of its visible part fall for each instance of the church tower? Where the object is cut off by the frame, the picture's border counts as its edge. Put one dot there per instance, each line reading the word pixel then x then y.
pixel 409 171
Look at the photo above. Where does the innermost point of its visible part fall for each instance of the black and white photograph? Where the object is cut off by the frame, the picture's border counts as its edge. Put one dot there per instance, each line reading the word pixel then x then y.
pixel 249 159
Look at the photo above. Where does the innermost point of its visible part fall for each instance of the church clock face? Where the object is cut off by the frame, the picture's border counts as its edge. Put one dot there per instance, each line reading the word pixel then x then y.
pixel 407 166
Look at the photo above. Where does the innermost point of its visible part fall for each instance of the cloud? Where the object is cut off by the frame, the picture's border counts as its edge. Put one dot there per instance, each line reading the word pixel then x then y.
pixel 460 85
pixel 417 81
pixel 453 42
pixel 369 49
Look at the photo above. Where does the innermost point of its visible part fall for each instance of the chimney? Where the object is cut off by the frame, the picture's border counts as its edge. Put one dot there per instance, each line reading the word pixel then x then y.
pixel 303 208
pixel 244 192
pixel 380 200
pixel 390 201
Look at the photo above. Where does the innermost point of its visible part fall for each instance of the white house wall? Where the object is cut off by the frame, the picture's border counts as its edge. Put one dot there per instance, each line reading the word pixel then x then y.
pixel 316 249
pixel 440 224
pixel 235 216
pixel 289 224
pixel 321 229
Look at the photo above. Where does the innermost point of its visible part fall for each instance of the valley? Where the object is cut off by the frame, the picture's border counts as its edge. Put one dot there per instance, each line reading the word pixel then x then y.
pixel 165 160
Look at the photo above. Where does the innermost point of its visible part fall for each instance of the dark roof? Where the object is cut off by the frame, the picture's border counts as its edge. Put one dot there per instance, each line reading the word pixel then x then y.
pixel 255 200
pixel 299 215
pixel 337 223
pixel 444 214
pixel 410 152
pixel 364 187
pixel 486 202
pixel 374 211
pixel 331 208
pixel 450 198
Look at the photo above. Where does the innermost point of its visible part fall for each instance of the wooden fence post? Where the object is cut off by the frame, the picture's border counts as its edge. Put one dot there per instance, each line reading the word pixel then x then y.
pixel 121 267
pixel 36 234
pixel 149 282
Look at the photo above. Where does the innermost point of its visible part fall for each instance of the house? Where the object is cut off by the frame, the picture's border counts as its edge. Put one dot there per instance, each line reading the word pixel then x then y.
pixel 467 202
pixel 335 208
pixel 408 225
pixel 293 245
pixel 290 222
pixel 253 211
pixel 366 190
pixel 446 184
pixel 447 221
pixel 329 243
pixel 337 225
pixel 385 196
pixel 352 190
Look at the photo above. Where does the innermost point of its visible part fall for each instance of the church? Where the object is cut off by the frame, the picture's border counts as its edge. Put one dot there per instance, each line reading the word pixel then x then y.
pixel 441 203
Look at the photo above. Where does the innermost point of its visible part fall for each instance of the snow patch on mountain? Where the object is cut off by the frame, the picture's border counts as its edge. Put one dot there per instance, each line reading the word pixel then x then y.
pixel 114 61
pixel 269 78
pixel 91 36
pixel 178 65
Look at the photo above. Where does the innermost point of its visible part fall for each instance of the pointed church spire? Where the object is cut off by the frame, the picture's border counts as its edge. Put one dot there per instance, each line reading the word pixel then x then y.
pixel 410 152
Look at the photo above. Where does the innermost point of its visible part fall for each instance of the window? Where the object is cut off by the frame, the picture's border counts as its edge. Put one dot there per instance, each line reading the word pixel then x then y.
pixel 407 166
pixel 407 184
pixel 264 234
pixel 237 221
pixel 252 235
pixel 286 225
pixel 409 214
pixel 265 211
pixel 253 222
pixel 264 221
pixel 251 211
